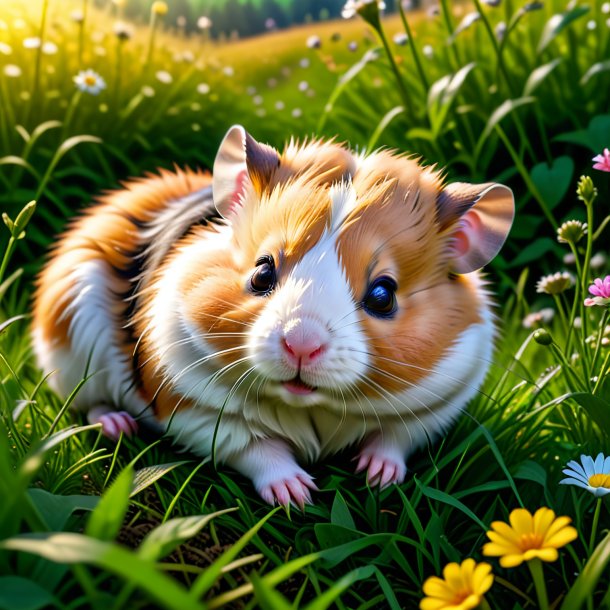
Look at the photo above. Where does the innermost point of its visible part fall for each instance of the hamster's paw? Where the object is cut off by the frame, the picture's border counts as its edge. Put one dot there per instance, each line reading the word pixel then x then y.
pixel 113 422
pixel 382 468
pixel 294 488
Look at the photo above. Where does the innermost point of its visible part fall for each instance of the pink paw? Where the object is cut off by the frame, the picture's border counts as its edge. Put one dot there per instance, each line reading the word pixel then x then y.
pixel 294 489
pixel 381 469
pixel 115 422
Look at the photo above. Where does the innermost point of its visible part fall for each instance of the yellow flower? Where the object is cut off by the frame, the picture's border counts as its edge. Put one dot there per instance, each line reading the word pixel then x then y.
pixel 461 588
pixel 159 8
pixel 528 536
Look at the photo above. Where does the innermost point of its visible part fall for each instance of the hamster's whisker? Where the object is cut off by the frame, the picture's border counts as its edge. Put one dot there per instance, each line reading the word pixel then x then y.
pixel 225 319
pixel 427 370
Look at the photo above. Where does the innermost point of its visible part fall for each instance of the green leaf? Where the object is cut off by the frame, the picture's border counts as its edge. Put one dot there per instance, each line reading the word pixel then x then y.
pixel 340 513
pixel 385 121
pixel 496 117
pixel 328 597
pixel 14 160
pixel 445 498
pixel 533 251
pixel 538 76
pixel 553 182
pixel 76 548
pixel 266 596
pixel 584 586
pixel 597 409
pixel 557 23
pixel 531 471
pixel 145 477
pixel 595 137
pixel 105 521
pixel 55 510
pixel 10 321
pixel 22 593
pixel 597 68
pixel 162 540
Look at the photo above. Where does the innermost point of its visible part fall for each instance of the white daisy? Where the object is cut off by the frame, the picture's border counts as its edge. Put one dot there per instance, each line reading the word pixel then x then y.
pixel 89 81
pixel 592 475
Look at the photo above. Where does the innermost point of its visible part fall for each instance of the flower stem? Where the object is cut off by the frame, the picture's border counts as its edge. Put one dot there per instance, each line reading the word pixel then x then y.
pixel 484 605
pixel 416 58
pixel 602 373
pixel 600 336
pixel 598 507
pixel 7 256
pixel 584 277
pixel 406 98
pixel 535 567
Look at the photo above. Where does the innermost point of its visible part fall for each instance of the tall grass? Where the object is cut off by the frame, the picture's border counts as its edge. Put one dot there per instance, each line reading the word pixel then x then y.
pixel 87 524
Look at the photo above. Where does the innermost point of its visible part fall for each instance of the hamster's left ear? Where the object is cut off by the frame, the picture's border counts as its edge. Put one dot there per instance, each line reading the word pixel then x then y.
pixel 481 216
pixel 240 159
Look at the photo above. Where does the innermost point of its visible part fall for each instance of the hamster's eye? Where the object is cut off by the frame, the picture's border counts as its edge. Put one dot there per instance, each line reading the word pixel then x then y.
pixel 380 300
pixel 263 278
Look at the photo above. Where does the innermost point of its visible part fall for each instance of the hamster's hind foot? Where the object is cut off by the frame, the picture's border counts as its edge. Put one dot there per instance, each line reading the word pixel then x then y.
pixel 113 422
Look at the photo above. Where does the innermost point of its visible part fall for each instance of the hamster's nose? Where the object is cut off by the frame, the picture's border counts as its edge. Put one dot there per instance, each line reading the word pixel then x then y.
pixel 302 347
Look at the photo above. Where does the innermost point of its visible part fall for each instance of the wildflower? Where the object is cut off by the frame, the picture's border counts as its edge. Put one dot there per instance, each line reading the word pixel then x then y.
pixel 352 46
pixel 528 537
pixel 204 23
pixel 313 42
pixel 272 82
pixel 535 319
pixel 49 48
pixel 270 23
pixel 592 475
pixel 598 260
pixel 122 30
pixel 32 43
pixel 257 100
pixel 148 91
pixel 304 63
pixel 228 71
pixel 159 8
pixel 492 2
pixel 434 11
pixel 77 16
pixel 555 283
pixel 5 49
pixel 591 25
pixel 163 76
pixel 203 88
pixel 542 337
pixel 296 113
pixel 500 30
pixel 466 22
pixel 400 39
pixel 600 289
pixel 12 71
pixel 571 231
pixel 461 588
pixel 585 190
pixel 568 258
pixel 365 8
pixel 181 21
pixel 428 51
pixel 89 81
pixel 602 162
pixel 303 86
pixel 279 105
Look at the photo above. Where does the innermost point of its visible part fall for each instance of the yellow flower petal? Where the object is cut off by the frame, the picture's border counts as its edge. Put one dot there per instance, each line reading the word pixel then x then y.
pixel 482 578
pixel 521 520
pixel 556 526
pixel 504 530
pixel 562 537
pixel 547 554
pixel 491 549
pixel 543 518
pixel 511 561
pixel 429 603
pixel 437 587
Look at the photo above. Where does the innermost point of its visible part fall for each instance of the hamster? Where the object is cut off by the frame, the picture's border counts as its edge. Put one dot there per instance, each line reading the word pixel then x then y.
pixel 286 307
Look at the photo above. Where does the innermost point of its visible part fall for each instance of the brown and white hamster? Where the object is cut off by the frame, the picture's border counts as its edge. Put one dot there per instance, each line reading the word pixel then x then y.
pixel 288 307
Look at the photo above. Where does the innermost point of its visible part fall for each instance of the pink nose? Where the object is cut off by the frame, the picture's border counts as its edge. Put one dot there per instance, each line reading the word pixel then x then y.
pixel 302 348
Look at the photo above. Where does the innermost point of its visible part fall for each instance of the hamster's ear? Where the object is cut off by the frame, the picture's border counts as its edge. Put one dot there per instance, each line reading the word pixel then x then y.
pixel 481 215
pixel 240 159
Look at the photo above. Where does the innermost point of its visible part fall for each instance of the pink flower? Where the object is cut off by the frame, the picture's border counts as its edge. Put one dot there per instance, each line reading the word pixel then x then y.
pixel 600 291
pixel 602 162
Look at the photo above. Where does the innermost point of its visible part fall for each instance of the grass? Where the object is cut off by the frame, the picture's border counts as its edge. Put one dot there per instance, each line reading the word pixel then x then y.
pixel 87 524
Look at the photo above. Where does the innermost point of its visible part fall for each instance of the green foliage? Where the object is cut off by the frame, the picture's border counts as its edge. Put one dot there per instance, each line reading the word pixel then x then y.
pixel 86 524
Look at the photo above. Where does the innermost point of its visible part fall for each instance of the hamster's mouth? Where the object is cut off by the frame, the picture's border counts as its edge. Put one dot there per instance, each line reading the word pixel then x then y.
pixel 298 386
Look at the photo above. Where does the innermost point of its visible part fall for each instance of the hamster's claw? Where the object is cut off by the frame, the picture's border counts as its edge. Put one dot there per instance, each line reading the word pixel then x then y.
pixel 295 490
pixel 382 470
pixel 115 422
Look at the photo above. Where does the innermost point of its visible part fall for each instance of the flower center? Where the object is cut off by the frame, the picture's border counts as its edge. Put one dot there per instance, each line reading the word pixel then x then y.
pixel 465 598
pixel 90 80
pixel 531 540
pixel 599 480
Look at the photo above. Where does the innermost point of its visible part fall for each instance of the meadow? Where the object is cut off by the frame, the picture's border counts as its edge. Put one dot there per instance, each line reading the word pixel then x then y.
pixel 509 91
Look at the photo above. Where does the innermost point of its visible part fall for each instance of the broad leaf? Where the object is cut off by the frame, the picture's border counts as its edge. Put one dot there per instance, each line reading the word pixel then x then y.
pixel 553 182
pixel 55 510
pixel 533 251
pixel 340 513
pixel 595 137
pixel 597 409
pixel 22 593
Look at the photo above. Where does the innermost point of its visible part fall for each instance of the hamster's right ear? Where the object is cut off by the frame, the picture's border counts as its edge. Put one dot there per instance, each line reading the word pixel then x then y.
pixel 240 160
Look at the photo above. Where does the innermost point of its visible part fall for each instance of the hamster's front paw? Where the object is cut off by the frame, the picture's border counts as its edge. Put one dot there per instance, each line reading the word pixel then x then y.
pixel 384 464
pixel 113 422
pixel 290 488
